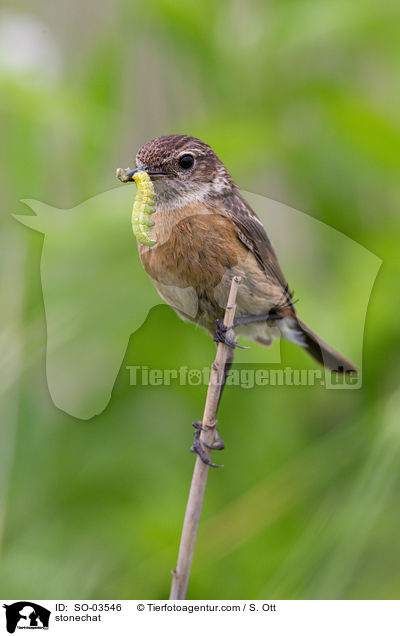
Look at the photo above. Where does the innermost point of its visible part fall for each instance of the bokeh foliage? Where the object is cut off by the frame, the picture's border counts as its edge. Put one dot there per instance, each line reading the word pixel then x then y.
pixel 301 101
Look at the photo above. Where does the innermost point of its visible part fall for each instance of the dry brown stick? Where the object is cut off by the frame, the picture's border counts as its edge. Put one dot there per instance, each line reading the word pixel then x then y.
pixel 180 576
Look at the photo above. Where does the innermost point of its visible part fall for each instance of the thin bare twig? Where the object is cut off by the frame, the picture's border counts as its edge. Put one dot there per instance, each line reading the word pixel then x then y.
pixel 180 576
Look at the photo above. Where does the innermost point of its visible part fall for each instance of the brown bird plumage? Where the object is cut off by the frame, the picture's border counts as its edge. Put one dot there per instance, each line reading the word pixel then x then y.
pixel 206 233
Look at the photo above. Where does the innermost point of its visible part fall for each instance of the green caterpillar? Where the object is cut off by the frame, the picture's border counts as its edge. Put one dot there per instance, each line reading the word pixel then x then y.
pixel 142 208
pixel 143 205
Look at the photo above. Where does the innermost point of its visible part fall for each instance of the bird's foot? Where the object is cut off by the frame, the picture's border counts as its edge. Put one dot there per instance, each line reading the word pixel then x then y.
pixel 221 335
pixel 198 445
pixel 217 444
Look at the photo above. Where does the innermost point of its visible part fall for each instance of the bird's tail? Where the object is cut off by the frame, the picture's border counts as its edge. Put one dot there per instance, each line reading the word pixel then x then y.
pixel 324 353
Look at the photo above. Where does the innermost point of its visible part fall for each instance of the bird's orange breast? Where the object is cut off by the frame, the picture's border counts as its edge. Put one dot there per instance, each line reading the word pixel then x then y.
pixel 198 251
pixel 195 246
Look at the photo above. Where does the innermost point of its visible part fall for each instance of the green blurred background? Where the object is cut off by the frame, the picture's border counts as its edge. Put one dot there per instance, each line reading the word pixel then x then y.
pixel 301 101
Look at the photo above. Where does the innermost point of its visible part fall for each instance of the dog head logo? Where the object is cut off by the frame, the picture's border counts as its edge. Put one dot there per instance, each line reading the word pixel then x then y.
pixel 96 292
pixel 26 615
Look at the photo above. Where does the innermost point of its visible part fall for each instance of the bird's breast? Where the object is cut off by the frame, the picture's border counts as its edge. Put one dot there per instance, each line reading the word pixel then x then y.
pixel 197 253
pixel 195 246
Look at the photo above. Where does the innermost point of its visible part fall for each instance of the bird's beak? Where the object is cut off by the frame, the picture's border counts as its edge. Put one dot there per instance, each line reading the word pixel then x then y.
pixel 125 174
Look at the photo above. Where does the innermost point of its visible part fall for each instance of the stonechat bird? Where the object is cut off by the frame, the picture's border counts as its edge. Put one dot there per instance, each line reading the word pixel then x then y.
pixel 205 233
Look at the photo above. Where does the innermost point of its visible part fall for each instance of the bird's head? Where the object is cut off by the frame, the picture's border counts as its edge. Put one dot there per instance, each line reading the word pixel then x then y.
pixel 183 170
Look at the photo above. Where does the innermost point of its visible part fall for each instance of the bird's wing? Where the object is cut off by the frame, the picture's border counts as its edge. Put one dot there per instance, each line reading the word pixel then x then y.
pixel 251 233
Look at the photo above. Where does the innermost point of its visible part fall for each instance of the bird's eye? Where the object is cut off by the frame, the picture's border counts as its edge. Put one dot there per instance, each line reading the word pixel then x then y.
pixel 186 162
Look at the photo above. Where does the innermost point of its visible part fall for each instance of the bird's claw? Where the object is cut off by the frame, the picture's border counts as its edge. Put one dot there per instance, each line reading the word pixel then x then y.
pixel 221 336
pixel 217 444
pixel 198 445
